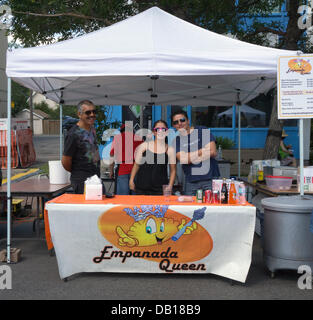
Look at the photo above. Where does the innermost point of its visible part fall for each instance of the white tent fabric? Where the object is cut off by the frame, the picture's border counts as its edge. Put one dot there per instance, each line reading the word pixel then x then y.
pixel 152 57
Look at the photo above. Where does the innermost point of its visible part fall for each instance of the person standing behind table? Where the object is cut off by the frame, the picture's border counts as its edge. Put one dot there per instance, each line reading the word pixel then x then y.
pixel 81 154
pixel 123 150
pixel 285 154
pixel 149 172
pixel 196 151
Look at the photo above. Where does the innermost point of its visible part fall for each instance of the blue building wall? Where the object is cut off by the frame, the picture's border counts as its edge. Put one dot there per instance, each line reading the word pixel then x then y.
pixel 254 138
pixel 280 17
pixel 251 138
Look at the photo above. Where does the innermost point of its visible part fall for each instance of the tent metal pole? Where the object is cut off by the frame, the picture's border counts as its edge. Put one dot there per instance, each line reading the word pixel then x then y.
pixel 61 135
pixel 301 157
pixel 9 172
pixel 239 139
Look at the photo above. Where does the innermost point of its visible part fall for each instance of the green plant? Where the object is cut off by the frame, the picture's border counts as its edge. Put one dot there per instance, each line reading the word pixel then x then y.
pixel 103 122
pixel 224 142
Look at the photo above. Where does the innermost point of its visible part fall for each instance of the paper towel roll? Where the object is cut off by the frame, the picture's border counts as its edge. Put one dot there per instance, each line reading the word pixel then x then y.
pixel 57 174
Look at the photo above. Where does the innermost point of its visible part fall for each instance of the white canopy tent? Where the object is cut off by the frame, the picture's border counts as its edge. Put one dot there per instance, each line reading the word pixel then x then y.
pixel 150 58
pixel 247 110
pixel 249 113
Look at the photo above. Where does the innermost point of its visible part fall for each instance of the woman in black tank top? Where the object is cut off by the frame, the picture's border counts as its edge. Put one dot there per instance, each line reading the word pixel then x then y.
pixel 152 158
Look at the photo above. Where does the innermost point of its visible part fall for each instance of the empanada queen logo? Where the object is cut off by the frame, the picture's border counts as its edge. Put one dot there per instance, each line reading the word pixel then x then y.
pixel 300 66
pixel 155 233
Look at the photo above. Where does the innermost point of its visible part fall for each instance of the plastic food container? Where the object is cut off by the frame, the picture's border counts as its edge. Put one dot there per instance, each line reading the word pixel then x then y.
pixel 288 241
pixel 278 182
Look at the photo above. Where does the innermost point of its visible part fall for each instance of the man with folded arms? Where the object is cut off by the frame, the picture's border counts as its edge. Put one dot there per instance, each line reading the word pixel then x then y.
pixel 196 151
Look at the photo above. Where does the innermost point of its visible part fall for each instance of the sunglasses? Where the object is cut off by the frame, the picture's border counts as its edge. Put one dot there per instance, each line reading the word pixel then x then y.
pixel 89 112
pixel 160 129
pixel 182 120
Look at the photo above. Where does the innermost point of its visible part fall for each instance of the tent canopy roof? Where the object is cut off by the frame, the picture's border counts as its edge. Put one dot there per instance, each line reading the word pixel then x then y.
pixel 152 57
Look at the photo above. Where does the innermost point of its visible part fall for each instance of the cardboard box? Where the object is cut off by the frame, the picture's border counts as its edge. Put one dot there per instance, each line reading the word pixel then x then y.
pixel 15 255
pixel 307 179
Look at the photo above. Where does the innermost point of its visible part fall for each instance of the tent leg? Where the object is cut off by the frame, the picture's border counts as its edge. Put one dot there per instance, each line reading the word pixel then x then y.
pixel 61 134
pixel 239 141
pixel 9 172
pixel 301 157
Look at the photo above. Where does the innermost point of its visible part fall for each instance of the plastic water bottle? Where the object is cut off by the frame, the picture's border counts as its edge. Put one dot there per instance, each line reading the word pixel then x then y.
pixel 219 153
pixel 242 193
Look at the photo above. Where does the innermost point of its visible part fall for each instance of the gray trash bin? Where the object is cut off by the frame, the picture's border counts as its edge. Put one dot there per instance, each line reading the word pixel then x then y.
pixel 288 241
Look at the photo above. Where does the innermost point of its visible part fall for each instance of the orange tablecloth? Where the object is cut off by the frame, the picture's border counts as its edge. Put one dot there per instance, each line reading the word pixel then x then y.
pixel 129 200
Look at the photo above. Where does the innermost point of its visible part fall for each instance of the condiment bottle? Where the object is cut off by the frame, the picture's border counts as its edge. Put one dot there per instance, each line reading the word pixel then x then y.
pixel 232 197
pixel 260 173
pixel 224 193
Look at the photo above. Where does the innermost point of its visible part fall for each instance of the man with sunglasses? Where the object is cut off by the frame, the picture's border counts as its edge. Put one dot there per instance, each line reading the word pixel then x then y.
pixel 196 151
pixel 81 154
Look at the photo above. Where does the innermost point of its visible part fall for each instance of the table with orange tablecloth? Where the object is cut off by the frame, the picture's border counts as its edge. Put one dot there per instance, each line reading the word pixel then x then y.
pixel 142 234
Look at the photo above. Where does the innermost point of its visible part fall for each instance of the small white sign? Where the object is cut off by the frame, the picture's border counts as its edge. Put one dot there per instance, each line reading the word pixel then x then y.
pixel 16 124
pixel 295 87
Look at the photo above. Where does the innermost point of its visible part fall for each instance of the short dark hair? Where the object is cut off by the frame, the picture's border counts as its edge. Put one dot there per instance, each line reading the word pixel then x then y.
pixel 175 113
pixel 84 102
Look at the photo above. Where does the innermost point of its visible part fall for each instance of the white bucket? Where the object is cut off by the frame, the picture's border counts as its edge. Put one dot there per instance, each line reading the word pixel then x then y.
pixel 57 174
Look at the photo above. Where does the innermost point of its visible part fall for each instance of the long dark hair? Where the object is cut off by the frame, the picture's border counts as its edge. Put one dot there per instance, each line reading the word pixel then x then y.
pixel 162 121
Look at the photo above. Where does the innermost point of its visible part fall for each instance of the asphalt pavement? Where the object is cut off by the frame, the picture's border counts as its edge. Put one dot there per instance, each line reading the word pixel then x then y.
pixel 36 276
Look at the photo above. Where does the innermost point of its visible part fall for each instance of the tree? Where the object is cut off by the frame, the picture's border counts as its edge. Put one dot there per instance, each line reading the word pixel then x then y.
pixel 292 38
pixel 104 113
pixel 19 98
pixel 43 21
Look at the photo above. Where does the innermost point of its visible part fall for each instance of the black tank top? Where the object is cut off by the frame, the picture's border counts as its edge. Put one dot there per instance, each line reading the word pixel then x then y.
pixel 152 173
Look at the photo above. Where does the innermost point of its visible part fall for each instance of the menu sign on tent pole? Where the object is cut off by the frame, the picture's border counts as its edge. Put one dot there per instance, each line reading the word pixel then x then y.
pixel 295 87
pixel 295 95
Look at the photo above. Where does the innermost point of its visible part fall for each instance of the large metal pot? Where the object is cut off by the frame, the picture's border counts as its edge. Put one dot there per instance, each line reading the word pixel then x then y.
pixel 288 241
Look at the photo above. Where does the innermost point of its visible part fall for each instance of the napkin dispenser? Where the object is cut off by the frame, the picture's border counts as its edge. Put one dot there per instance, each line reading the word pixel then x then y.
pixel 93 188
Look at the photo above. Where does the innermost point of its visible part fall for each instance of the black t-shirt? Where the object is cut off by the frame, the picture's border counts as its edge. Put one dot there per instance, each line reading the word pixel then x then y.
pixel 81 145
pixel 152 173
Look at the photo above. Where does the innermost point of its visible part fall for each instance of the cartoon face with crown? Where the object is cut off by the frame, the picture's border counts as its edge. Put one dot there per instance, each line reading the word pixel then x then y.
pixel 151 227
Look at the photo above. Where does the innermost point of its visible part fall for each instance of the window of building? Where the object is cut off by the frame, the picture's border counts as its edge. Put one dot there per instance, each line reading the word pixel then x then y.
pixel 212 117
